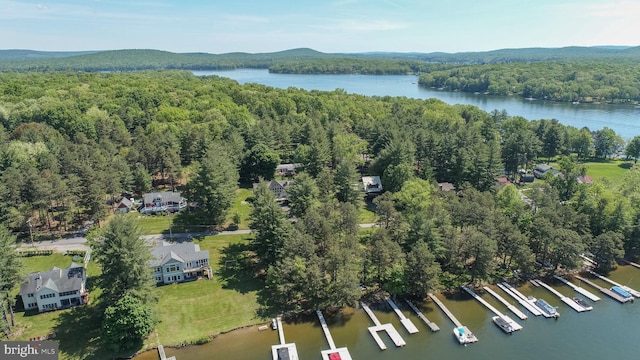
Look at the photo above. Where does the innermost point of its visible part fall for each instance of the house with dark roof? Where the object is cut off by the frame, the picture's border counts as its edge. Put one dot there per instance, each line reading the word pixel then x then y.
pixel 173 263
pixel 279 188
pixel 287 169
pixel 542 169
pixel 162 201
pixel 55 289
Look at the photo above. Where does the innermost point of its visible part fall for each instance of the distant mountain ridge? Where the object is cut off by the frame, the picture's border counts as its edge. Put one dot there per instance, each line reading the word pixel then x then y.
pixel 141 59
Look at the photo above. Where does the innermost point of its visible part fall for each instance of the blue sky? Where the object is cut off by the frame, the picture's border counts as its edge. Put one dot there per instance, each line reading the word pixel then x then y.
pixel 220 26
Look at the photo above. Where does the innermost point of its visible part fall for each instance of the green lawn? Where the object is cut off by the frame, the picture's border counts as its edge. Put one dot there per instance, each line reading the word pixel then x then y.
pixel 612 170
pixel 189 312
pixel 242 207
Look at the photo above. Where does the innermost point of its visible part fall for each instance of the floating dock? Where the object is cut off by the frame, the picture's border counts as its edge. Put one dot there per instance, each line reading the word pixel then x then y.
pixel 569 301
pixel 162 355
pixel 523 300
pixel 412 329
pixel 509 306
pixel 513 326
pixel 588 294
pixel 431 324
pixel 391 331
pixel 343 353
pixel 605 291
pixel 588 260
pixel 631 263
pixel 469 337
pixel 283 350
pixel 624 287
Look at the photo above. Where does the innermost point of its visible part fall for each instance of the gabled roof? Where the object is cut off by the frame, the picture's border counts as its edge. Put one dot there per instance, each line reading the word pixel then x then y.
pixel 372 184
pixel 167 196
pixel 125 203
pixel 182 252
pixel 288 167
pixel 56 279
pixel 542 168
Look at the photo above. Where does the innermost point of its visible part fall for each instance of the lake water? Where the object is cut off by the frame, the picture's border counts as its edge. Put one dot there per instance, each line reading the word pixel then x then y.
pixel 610 330
pixel 625 120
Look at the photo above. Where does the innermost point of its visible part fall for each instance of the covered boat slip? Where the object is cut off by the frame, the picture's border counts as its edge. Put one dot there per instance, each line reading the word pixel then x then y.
pixel 624 287
pixel 605 291
pixel 572 304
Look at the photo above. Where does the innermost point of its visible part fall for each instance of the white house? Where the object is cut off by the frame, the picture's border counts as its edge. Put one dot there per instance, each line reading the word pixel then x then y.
pixel 55 289
pixel 162 201
pixel 372 184
pixel 179 262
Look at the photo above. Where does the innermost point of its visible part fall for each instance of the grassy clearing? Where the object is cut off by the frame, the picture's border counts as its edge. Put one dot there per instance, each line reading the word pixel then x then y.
pixel 611 170
pixel 152 224
pixel 242 207
pixel 193 311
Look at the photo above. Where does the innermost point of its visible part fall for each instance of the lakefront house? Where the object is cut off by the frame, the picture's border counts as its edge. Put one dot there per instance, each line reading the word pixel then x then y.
pixel 174 263
pixel 55 289
pixel 162 201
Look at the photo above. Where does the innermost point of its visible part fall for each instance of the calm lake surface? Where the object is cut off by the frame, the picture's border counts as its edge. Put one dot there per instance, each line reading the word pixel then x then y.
pixel 625 120
pixel 610 330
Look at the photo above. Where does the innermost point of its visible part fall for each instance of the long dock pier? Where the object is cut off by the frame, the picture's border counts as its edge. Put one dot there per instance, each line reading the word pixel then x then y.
pixel 373 330
pixel 523 300
pixel 628 289
pixel 588 294
pixel 631 263
pixel 283 350
pixel 509 306
pixel 343 353
pixel 469 337
pixel 605 291
pixel 514 326
pixel 412 329
pixel 572 304
pixel 430 324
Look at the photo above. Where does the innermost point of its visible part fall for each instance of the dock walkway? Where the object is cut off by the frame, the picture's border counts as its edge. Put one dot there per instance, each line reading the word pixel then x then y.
pixel 391 331
pixel 572 304
pixel 444 309
pixel 343 353
pixel 514 325
pixel 431 324
pixel 469 337
pixel 523 300
pixel 605 291
pixel 411 328
pixel 276 350
pixel 162 355
pixel 631 263
pixel 628 289
pixel 509 306
pixel 588 294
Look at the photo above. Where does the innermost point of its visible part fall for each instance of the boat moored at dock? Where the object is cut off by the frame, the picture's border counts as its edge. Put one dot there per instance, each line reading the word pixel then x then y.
pixel 622 292
pixel 503 324
pixel 585 305
pixel 463 335
pixel 547 308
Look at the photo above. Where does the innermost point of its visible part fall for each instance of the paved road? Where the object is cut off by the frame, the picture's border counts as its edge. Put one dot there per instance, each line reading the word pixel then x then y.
pixel 80 243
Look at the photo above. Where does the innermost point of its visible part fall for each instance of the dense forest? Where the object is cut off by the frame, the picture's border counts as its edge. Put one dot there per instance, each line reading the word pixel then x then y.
pixel 613 82
pixel 72 142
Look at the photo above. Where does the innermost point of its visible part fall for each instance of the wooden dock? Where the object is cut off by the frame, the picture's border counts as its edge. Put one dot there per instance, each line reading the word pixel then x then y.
pixel 391 331
pixel 162 355
pixel 569 301
pixel 431 324
pixel 628 289
pixel 631 263
pixel 343 352
pixel 411 328
pixel 514 293
pixel 509 306
pixel 605 291
pixel 514 325
pixel 445 310
pixel 588 294
pixel 276 350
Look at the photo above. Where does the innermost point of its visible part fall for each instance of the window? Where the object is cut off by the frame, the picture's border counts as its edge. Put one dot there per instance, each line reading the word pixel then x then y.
pixel 47 296
pixel 32 305
pixel 158 269
pixel 29 295
pixel 159 278
pixel 172 268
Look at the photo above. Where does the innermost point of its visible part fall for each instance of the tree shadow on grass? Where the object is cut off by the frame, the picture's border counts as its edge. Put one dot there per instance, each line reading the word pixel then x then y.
pixel 238 270
pixel 626 165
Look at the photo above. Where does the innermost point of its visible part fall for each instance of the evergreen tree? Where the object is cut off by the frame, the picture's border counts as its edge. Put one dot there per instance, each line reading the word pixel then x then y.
pixel 127 323
pixel 124 258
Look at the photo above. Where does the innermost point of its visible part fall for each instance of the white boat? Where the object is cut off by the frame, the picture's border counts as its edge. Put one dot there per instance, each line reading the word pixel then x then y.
pixel 274 324
pixel 583 303
pixel 503 324
pixel 463 335
pixel 547 308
